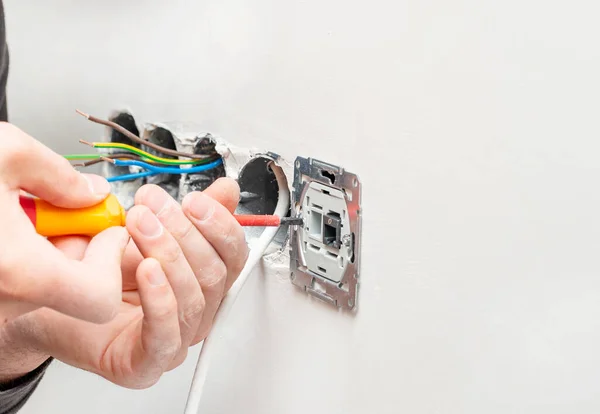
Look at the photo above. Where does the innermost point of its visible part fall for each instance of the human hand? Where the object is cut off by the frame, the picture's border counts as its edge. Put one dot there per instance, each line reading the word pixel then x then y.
pixel 33 272
pixel 175 274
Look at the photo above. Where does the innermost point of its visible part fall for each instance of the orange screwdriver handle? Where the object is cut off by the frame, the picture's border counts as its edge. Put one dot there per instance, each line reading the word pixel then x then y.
pixel 52 221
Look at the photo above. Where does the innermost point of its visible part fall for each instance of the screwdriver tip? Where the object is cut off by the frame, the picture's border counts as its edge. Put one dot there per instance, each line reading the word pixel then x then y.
pixel 292 221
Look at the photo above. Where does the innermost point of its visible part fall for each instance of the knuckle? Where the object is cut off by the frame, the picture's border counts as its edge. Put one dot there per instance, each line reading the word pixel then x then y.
pixel 14 149
pixel 193 313
pixel 182 230
pixel 170 349
pixel 236 238
pixel 214 274
pixel 236 249
pixel 73 180
pixel 166 311
pixel 171 253
pixel 178 360
pixel 239 261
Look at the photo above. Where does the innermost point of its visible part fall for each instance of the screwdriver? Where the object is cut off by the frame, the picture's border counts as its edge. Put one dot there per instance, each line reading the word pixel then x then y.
pixel 52 221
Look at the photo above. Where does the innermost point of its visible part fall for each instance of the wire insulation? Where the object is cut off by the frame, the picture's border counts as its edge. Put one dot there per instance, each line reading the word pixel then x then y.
pixel 129 177
pixel 217 331
pixel 143 154
pixel 155 170
pixel 139 140
pixel 166 170
pixel 81 156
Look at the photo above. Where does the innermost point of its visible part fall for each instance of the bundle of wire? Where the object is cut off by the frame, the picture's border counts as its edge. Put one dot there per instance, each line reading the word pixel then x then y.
pixel 135 157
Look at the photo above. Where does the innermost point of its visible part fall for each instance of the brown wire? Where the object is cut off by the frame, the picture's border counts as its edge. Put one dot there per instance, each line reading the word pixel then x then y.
pixel 114 156
pixel 137 139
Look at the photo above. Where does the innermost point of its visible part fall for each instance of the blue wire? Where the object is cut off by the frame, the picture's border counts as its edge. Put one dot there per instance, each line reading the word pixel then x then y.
pixel 153 169
pixel 169 170
pixel 127 177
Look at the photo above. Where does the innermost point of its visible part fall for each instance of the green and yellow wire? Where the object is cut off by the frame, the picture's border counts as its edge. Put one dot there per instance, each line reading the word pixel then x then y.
pixel 146 155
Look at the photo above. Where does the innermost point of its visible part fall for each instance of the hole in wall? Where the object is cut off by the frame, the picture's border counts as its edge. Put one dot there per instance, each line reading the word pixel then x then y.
pixel 127 121
pixel 205 145
pixel 164 138
pixel 259 194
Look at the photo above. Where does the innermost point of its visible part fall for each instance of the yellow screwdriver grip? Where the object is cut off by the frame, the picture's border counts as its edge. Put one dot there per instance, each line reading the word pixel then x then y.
pixel 54 221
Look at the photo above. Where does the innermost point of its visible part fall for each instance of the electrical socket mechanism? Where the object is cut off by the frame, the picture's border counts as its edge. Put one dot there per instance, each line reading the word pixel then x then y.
pixel 325 252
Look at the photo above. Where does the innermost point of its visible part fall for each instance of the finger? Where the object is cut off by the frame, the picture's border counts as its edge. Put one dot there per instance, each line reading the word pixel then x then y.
pixel 73 247
pixel 33 270
pixel 154 241
pixel 225 191
pixel 26 164
pixel 161 336
pixel 220 229
pixel 205 262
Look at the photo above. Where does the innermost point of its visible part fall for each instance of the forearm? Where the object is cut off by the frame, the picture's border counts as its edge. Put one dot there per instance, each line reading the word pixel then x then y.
pixel 21 369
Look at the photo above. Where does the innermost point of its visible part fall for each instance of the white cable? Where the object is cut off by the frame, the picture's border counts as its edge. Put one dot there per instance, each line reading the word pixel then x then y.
pixel 256 254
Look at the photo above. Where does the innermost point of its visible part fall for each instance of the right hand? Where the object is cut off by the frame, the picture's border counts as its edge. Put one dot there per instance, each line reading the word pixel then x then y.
pixel 33 272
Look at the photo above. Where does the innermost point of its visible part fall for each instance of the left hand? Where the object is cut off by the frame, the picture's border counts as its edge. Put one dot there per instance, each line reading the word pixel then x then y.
pixel 180 263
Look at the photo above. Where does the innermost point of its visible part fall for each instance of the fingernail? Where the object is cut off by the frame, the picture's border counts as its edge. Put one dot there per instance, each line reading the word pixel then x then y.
pixel 157 277
pixel 155 200
pixel 201 208
pixel 98 185
pixel 149 225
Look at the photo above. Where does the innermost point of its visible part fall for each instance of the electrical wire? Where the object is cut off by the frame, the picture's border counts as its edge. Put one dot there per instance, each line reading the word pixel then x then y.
pixel 217 331
pixel 154 170
pixel 129 177
pixel 139 140
pixel 141 153
pixel 96 158
pixel 81 156
pixel 166 170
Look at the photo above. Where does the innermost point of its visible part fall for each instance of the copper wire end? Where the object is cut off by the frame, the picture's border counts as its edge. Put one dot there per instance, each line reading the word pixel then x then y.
pixel 82 113
pixel 86 143
pixel 108 160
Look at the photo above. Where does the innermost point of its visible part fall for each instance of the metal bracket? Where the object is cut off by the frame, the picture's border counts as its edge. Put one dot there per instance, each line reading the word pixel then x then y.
pixel 325 252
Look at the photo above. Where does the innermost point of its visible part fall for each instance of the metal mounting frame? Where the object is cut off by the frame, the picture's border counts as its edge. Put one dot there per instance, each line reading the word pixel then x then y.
pixel 343 294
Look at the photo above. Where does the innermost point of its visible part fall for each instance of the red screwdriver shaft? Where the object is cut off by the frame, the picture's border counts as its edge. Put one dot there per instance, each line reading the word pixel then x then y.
pixel 266 221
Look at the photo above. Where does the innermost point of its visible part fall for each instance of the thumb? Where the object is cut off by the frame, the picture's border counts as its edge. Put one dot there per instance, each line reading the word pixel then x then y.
pixel 29 165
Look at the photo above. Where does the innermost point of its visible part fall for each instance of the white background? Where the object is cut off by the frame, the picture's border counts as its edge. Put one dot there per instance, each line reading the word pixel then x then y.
pixel 474 128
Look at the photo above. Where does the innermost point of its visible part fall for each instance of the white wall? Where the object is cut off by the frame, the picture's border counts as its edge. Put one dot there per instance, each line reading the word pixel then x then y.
pixel 474 128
